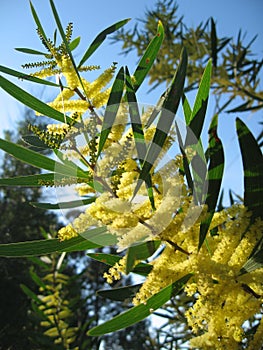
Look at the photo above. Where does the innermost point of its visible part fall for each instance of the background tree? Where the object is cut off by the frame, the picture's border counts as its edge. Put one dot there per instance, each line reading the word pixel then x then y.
pixel 236 70
pixel 19 222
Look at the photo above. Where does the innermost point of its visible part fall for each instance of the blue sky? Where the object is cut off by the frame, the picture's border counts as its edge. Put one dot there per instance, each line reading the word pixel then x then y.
pixel 17 29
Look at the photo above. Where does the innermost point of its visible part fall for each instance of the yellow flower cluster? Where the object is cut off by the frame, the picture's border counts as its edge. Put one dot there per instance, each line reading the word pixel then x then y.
pixel 225 299
pixel 68 100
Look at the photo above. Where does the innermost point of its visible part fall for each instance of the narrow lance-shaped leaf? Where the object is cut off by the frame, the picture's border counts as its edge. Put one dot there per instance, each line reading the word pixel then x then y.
pixel 34 143
pixel 38 23
pixel 186 168
pixel 28 77
pixel 196 121
pixel 63 205
pixel 30 51
pixel 120 294
pixel 140 312
pixel 149 56
pixel 100 38
pixel 138 131
pixel 194 128
pixel 45 246
pixel 31 101
pixel 253 170
pixel 111 108
pixel 215 154
pixel 187 110
pixel 36 180
pixel 38 160
pixel 167 115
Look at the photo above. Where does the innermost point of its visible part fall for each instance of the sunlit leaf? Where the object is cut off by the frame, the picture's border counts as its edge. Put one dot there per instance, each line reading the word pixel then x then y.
pixel 32 180
pixel 138 131
pixel 63 205
pixel 167 115
pixel 111 108
pixel 148 58
pixel 35 143
pixel 140 312
pixel 199 110
pixel 253 169
pixel 38 23
pixel 215 155
pixel 38 160
pixel 45 246
pixel 100 38
pixel 31 101
pixel 30 51
pixel 74 43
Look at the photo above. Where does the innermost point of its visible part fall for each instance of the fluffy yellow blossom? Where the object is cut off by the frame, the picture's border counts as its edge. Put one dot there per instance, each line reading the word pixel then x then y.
pixel 225 299
pixel 66 233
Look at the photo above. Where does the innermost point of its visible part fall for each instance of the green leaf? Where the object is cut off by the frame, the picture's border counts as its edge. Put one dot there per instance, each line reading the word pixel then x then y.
pixel 187 110
pixel 74 43
pixel 100 38
pixel 38 281
pixel 215 154
pixel 34 143
pixel 31 101
pixel 138 131
pixel 199 110
pixel 140 252
pixel 32 180
pixel 108 259
pixel 22 75
pixel 253 169
pixel 167 115
pixel 39 160
pixel 195 123
pixel 45 246
pixel 63 205
pixel 30 51
pixel 111 108
pixel 38 23
pixel 148 58
pixel 140 312
pixel 120 294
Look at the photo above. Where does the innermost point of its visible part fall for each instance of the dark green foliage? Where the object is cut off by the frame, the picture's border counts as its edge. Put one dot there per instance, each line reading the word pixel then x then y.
pixel 18 223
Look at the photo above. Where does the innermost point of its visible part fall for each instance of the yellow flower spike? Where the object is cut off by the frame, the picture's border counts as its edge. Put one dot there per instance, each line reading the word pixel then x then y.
pixel 101 82
pixel 69 73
